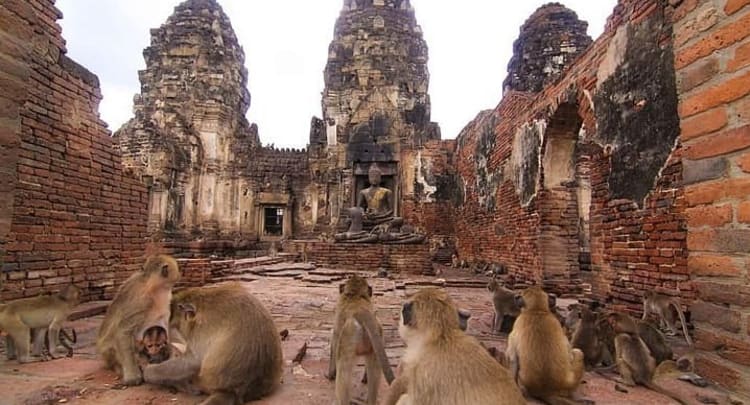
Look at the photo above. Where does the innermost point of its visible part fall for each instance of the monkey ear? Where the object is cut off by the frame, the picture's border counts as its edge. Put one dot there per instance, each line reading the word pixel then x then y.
pixel 406 313
pixel 187 309
pixel 165 270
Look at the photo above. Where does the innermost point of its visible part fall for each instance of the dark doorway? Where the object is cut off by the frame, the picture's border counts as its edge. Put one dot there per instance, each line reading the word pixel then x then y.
pixel 273 221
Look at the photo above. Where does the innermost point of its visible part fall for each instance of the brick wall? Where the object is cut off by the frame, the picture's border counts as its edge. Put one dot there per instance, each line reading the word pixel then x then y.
pixel 616 206
pixel 712 59
pixel 404 259
pixel 76 216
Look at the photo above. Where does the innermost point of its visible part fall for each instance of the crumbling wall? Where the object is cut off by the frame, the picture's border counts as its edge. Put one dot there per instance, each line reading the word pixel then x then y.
pixel 712 58
pixel 596 187
pixel 76 216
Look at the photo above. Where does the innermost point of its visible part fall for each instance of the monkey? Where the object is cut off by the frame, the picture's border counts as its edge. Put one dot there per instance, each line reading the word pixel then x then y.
pixel 22 317
pixel 141 303
pixel 504 304
pixel 655 341
pixel 273 250
pixel 443 365
pixel 634 362
pixel 233 349
pixel 541 358
pixel 154 347
pixel 659 305
pixel 356 332
pixel 66 340
pixel 572 319
pixel 586 337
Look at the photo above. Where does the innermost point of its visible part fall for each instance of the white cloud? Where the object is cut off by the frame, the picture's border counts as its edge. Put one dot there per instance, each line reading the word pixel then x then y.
pixel 286 44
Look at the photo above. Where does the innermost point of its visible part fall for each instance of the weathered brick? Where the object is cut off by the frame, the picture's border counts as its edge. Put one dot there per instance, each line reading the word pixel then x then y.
pixel 719 316
pixel 714 96
pixel 713 40
pixel 703 123
pixel 697 74
pixel 707 265
pixel 743 212
pixel 734 6
pixel 711 215
pixel 717 191
pixel 695 171
pixel 741 58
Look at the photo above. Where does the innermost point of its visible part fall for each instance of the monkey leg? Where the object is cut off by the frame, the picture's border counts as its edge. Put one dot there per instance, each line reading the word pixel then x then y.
pixel 221 398
pixel 625 373
pixel 131 373
pixel 373 381
pixel 10 348
pixel 344 367
pixel 21 336
pixel 397 394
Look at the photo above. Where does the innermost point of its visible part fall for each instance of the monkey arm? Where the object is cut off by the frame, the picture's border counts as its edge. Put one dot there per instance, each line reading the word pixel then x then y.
pixel 511 353
pixel 398 388
pixel 131 373
pixel 367 320
pixel 173 371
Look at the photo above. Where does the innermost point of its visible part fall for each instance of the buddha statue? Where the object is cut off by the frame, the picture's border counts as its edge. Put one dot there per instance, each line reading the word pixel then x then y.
pixel 355 233
pixel 375 200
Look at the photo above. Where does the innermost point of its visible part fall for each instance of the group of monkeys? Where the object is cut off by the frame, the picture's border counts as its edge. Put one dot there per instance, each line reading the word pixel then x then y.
pixel 221 341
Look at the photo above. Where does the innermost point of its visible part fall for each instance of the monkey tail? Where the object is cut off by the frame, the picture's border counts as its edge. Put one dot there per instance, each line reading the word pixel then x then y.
pixel 367 320
pixel 682 321
pixel 664 391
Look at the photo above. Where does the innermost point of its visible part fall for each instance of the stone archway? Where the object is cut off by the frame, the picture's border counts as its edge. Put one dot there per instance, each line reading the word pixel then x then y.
pixel 563 233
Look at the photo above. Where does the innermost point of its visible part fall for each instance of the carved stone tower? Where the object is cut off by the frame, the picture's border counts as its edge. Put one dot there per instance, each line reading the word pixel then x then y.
pixel 190 124
pixel 550 40
pixel 375 103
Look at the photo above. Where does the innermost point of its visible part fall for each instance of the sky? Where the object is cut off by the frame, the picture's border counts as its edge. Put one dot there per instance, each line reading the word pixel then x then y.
pixel 286 47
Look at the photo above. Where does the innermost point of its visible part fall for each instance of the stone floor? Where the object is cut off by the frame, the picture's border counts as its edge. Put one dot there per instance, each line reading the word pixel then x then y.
pixel 302 301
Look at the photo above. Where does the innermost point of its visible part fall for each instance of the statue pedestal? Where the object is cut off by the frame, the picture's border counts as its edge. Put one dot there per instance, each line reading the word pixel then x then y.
pixel 405 259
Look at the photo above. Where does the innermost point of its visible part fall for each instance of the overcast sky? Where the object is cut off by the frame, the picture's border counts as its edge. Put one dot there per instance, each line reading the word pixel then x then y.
pixel 286 46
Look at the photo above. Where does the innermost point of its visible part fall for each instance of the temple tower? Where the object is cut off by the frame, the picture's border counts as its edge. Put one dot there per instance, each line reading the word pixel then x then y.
pixel 189 132
pixel 550 40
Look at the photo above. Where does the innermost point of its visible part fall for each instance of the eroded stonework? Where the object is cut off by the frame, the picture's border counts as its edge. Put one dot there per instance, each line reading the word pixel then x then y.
pixel 190 124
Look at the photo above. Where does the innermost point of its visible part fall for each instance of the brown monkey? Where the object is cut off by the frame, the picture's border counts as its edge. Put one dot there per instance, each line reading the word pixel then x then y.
pixel 586 337
pixel 661 306
pixel 655 341
pixel 140 303
pixel 572 319
pixel 635 364
pixel 154 347
pixel 22 317
pixel 357 332
pixel 541 358
pixel 233 349
pixel 443 365
pixel 505 306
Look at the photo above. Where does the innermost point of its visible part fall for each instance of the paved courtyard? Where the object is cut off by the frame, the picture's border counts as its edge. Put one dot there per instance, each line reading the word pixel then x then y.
pixel 302 301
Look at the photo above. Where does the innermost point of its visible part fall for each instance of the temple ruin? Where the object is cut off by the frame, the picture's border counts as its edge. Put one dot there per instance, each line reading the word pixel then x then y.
pixel 609 167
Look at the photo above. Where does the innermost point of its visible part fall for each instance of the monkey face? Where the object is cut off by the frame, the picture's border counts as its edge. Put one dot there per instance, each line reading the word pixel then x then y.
pixel 155 345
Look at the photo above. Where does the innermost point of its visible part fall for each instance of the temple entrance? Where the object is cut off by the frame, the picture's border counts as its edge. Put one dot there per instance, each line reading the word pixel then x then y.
pixel 561 232
pixel 273 221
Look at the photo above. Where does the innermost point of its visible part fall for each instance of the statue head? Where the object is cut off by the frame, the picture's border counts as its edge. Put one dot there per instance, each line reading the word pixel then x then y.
pixel 374 175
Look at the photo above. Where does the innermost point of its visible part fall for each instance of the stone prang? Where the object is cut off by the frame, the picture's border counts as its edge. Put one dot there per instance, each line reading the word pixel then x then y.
pixel 190 121
pixel 550 40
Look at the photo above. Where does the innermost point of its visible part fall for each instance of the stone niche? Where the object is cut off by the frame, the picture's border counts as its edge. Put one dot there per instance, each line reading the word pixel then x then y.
pixel 273 216
pixel 389 180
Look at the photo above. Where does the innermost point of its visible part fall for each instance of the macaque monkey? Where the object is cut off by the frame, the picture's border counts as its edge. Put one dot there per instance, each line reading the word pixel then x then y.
pixel 357 332
pixel 572 319
pixel 661 306
pixel 154 347
pixel 634 362
pixel 655 341
pixel 233 349
pixel 503 301
pixel 443 365
pixel 586 337
pixel 542 360
pixel 455 262
pixel 43 315
pixel 141 302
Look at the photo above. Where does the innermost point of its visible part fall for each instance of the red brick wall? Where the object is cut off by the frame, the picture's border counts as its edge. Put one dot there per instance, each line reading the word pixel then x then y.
pixel 76 216
pixel 712 58
pixel 404 259
pixel 635 244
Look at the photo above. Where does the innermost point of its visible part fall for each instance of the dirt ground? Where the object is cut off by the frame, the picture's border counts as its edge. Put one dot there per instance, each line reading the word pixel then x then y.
pixel 301 301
